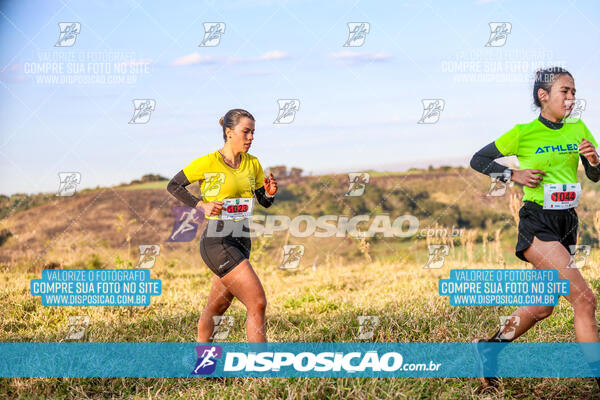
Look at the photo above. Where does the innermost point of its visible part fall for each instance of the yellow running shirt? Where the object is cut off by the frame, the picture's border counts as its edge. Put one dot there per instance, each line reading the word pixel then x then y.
pixel 219 181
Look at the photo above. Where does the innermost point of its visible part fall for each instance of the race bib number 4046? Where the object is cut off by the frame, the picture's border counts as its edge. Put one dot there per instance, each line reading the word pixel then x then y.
pixel 560 196
pixel 237 208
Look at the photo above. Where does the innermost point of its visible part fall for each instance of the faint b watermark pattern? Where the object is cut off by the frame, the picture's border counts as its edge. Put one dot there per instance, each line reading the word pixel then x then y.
pixel 579 255
pixel 142 109
pixel 366 326
pixel 432 109
pixel 222 327
pixel 148 254
pixel 212 34
pixel 497 185
pixel 437 255
pixel 212 183
pixel 68 33
pixel 358 183
pixel 499 32
pixel 508 326
pixel 77 327
pixel 287 111
pixel 292 253
pixel 357 33
pixel 576 112
pixel 68 183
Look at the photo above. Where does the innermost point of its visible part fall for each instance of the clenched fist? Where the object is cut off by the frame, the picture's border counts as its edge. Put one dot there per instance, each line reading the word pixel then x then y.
pixel 271 185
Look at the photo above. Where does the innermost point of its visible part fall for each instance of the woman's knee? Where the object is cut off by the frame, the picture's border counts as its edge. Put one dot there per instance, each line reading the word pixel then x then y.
pixel 219 306
pixel 543 312
pixel 585 302
pixel 258 305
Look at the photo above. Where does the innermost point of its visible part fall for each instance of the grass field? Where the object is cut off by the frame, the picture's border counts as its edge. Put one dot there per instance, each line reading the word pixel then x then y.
pixel 309 304
pixel 381 277
pixel 147 185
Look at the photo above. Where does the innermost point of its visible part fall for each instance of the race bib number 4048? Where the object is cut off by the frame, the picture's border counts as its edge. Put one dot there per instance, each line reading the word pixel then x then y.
pixel 560 196
pixel 237 208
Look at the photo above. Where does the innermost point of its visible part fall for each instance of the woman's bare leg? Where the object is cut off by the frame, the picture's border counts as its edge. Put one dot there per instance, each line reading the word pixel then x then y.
pixel 219 300
pixel 552 255
pixel 244 284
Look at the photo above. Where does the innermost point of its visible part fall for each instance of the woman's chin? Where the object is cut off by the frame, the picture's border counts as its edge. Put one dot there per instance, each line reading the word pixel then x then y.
pixel 562 114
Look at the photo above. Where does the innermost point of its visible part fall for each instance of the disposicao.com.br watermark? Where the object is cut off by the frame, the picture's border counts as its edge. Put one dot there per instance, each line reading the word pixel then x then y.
pixel 322 227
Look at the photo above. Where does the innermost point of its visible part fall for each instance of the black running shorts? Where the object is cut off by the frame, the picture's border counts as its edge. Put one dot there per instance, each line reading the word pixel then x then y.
pixel 546 225
pixel 230 245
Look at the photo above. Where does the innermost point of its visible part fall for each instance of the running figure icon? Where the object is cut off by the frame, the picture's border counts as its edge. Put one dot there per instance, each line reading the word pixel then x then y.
pixel 207 356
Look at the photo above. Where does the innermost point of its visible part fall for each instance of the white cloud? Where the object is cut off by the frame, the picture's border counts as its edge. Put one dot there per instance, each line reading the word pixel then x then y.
pixel 274 55
pixel 193 58
pixel 197 58
pixel 354 57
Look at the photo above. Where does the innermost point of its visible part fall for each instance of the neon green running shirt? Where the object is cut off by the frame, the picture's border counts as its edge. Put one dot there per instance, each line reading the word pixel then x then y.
pixel 554 151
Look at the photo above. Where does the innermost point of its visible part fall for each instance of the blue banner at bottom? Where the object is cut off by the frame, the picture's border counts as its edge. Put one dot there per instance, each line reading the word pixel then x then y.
pixel 341 359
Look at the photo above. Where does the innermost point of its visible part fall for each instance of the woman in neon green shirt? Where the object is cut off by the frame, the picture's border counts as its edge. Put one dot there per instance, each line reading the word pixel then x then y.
pixel 548 149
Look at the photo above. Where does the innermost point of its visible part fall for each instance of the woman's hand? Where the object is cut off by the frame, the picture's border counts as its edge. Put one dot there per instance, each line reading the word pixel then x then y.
pixel 271 185
pixel 587 149
pixel 528 177
pixel 212 208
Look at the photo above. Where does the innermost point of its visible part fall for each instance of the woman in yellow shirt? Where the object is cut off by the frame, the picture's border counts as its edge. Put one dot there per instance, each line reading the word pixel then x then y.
pixel 230 179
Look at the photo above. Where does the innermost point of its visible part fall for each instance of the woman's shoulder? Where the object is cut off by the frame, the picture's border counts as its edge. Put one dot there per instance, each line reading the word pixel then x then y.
pixel 251 158
pixel 575 122
pixel 213 155
pixel 207 158
pixel 532 127
pixel 533 124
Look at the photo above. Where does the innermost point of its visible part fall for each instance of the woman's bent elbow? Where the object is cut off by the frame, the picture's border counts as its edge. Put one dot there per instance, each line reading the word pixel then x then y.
pixel 473 163
pixel 171 186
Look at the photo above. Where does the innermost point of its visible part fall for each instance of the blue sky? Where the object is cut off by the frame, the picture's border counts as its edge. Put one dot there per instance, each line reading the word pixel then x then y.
pixel 359 106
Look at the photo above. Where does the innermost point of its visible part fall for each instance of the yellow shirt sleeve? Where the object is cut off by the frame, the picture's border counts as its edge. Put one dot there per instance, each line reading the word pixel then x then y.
pixel 195 170
pixel 259 177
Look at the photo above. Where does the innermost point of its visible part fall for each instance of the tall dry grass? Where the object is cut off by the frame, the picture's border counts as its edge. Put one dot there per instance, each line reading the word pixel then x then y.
pixel 319 304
